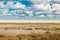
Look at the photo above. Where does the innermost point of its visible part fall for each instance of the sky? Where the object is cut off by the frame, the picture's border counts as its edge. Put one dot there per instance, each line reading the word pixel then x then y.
pixel 28 8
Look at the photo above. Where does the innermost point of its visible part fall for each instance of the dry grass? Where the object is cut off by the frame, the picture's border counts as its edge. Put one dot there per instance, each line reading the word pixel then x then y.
pixel 32 36
pixel 46 36
pixel 30 25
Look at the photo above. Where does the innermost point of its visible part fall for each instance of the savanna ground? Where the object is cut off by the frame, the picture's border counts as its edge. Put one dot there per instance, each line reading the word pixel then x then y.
pixel 30 25
pixel 32 36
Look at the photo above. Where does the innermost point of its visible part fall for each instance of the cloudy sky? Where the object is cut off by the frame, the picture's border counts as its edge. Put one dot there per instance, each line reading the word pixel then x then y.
pixel 33 5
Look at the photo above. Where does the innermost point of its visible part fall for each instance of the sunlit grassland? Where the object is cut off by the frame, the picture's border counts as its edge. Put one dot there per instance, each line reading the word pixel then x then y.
pixel 32 36
pixel 30 25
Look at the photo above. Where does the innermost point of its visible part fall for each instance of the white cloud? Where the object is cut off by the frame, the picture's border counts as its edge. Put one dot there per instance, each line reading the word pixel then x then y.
pixel 22 15
pixel 40 1
pixel 56 6
pixel 42 7
pixel 42 15
pixel 29 12
pixel 4 12
pixel 19 5
pixel 37 13
pixel 10 4
pixel 2 5
pixel 56 0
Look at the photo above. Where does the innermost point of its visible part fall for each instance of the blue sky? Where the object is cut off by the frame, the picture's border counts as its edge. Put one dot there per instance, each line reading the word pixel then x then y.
pixel 24 4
